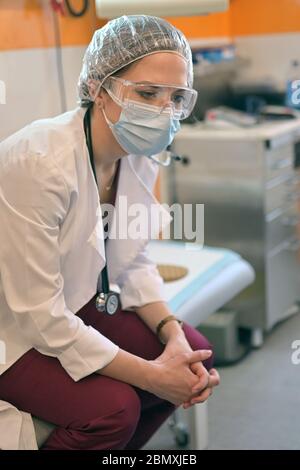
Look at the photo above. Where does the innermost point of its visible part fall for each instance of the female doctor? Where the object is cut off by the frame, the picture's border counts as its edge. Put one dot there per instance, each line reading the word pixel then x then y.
pixel 106 368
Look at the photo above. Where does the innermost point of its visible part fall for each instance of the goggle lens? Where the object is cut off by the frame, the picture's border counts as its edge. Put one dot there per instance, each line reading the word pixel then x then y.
pixel 157 98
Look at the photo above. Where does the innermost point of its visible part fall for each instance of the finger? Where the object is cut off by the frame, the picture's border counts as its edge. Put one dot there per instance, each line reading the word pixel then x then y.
pixel 199 355
pixel 214 372
pixel 213 382
pixel 198 398
pixel 200 386
pixel 186 405
pixel 198 368
pixel 203 381
pixel 214 378
pixel 202 397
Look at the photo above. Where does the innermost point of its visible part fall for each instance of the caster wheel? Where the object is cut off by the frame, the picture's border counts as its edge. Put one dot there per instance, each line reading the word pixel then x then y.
pixel 181 435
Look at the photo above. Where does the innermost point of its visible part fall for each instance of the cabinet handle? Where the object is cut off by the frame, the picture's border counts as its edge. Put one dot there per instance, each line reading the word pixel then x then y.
pixel 293 180
pixel 281 164
pixel 291 221
pixel 292 196
pixel 293 245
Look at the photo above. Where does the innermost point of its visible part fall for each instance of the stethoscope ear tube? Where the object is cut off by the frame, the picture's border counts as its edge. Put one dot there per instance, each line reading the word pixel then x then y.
pixel 169 156
pixel 106 301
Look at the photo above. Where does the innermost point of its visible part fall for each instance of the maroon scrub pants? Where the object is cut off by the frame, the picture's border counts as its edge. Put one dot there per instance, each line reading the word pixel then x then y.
pixel 98 412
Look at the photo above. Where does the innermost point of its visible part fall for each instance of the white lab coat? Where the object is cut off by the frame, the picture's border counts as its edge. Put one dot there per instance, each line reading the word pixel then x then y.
pixel 52 247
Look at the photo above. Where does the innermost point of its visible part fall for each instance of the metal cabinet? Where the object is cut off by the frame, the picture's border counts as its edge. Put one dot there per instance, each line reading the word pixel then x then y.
pixel 248 182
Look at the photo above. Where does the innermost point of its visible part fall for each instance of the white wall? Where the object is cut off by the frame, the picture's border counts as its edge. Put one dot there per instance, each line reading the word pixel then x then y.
pixel 270 55
pixel 32 86
pixel 31 76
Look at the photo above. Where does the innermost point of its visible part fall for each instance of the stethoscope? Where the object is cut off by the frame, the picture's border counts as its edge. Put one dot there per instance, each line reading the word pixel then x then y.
pixel 107 301
pixel 168 157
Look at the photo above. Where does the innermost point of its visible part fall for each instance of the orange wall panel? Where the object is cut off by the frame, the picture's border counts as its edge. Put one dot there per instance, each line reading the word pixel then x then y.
pixel 214 25
pixel 24 24
pixel 249 17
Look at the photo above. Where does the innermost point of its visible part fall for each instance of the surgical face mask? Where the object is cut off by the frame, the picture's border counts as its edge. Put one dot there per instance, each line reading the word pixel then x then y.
pixel 141 131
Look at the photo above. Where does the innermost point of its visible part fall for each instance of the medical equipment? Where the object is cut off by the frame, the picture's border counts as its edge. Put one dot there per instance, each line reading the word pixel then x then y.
pixel 113 8
pixel 248 182
pixel 166 157
pixel 224 114
pixel 230 342
pixel 106 301
pixel 65 6
pixel 79 12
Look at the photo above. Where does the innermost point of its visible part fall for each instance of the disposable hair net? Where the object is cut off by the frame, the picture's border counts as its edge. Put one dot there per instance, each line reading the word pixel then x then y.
pixel 123 41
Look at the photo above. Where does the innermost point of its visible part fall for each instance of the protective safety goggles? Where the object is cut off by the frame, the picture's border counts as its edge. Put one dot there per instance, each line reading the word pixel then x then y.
pixel 152 97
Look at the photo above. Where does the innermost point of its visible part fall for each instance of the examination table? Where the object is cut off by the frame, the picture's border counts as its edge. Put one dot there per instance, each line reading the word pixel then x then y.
pixel 214 277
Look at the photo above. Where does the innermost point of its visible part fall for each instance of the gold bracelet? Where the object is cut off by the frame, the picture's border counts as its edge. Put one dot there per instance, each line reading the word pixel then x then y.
pixel 163 322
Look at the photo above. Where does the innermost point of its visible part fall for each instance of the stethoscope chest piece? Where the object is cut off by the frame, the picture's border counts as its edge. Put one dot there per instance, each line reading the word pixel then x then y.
pixel 108 303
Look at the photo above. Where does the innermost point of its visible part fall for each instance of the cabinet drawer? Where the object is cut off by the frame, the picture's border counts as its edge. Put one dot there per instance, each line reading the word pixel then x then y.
pixel 281 191
pixel 279 161
pixel 280 225
pixel 283 279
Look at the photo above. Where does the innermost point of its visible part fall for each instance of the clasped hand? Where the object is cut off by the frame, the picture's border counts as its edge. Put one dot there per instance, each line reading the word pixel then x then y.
pixel 207 380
